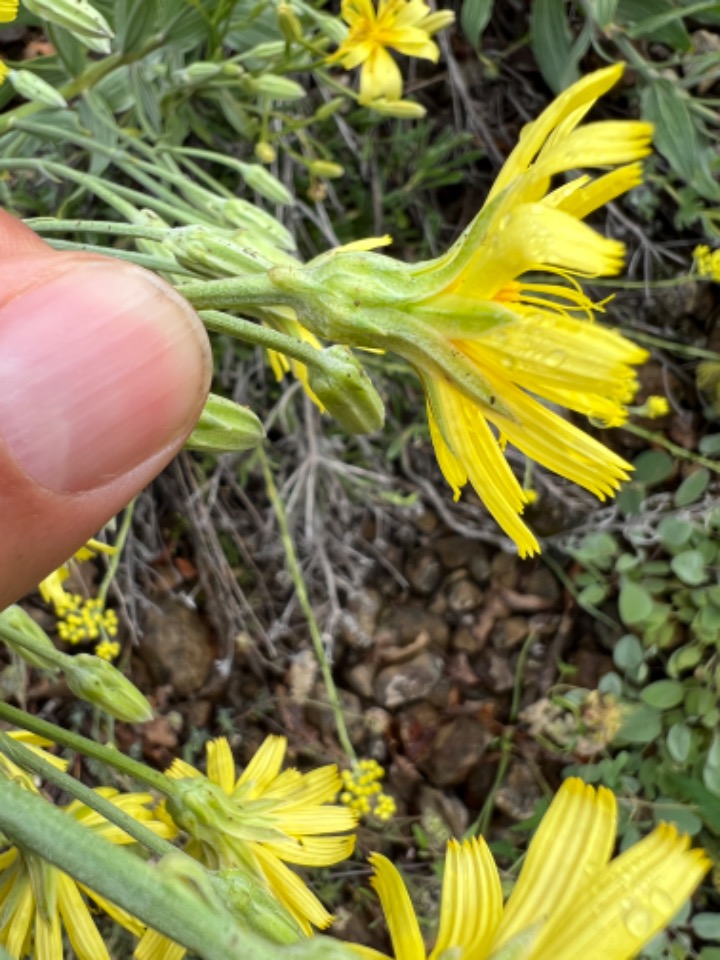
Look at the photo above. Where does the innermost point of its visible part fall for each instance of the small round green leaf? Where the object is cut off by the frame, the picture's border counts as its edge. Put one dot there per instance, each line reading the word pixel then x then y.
pixel 652 467
pixel 628 653
pixel 679 741
pixel 674 532
pixel 711 770
pixel 635 603
pixel 692 488
pixel 642 725
pixel 706 926
pixel 710 445
pixel 684 658
pixel 689 566
pixel 663 694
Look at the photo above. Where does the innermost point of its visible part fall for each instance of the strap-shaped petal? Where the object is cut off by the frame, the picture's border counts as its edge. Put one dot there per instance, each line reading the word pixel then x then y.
pixel 573 102
pixel 264 767
pixel 572 844
pixel 403 925
pixel 471 906
pixel 220 764
pixel 83 934
pixel 627 902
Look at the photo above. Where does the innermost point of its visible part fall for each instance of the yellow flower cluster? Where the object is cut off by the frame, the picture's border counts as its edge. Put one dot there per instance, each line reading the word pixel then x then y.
pixel 362 791
pixel 707 262
pixel 81 619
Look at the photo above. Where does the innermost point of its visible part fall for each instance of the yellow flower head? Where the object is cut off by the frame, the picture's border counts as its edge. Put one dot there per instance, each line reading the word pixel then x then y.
pixel 264 819
pixel 37 899
pixel 499 327
pixel 571 900
pixel 402 25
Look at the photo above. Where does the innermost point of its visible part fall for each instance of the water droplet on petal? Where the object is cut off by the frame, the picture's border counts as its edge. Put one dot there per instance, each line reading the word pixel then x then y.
pixel 555 358
pixel 662 902
pixel 639 921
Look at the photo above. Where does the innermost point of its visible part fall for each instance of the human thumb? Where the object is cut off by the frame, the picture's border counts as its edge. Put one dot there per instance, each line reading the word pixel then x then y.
pixel 104 369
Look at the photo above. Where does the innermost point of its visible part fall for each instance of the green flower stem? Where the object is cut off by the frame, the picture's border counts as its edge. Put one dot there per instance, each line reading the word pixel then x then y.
pixel 114 559
pixel 672 346
pixel 100 188
pixel 108 755
pixel 55 659
pixel 261 336
pixel 29 760
pixel 671 447
pixel 135 230
pixel 127 201
pixel 234 292
pixel 482 823
pixel 305 605
pixel 159 264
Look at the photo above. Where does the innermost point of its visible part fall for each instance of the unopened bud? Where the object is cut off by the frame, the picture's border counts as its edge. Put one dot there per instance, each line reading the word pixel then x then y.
pixel 331 107
pixel 199 72
pixel 100 683
pixel 214 253
pixel 269 50
pixel 265 183
pixel 402 109
pixel 237 212
pixel 265 152
pixel 346 391
pixel 85 23
pixel 35 89
pixel 326 169
pixel 290 26
pixel 255 906
pixel 17 619
pixel 271 85
pixel 225 427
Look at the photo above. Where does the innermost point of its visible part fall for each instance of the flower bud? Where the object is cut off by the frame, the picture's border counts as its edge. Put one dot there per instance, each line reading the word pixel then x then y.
pixel 403 109
pixel 34 88
pixel 17 619
pixel 271 85
pixel 85 23
pixel 345 390
pixel 225 427
pixel 255 906
pixel 101 684
pixel 326 169
pixel 239 213
pixel 216 253
pixel 265 183
pixel 330 108
pixel 265 152
pixel 199 72
pixel 290 26
pixel 265 51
